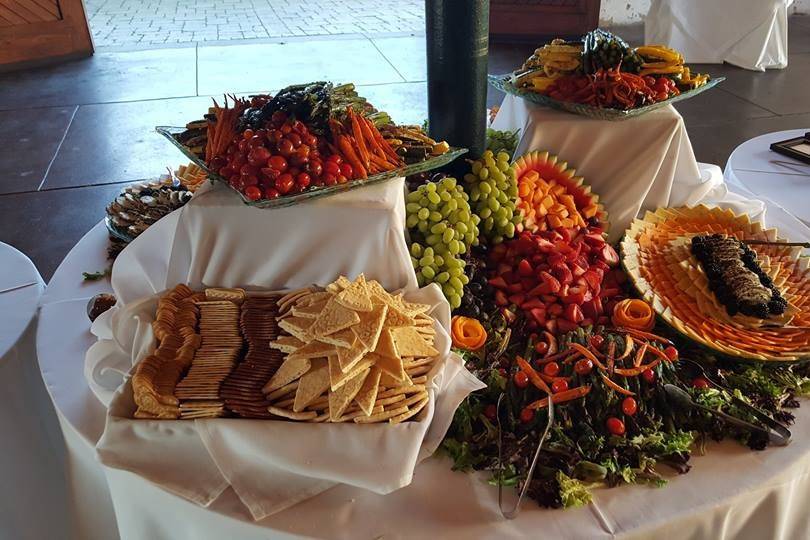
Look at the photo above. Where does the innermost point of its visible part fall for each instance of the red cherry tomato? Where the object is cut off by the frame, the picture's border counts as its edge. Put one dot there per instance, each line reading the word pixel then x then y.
pixel 615 426
pixel 346 170
pixel 661 96
pixel 303 180
pixel 541 347
pixel 650 81
pixel 342 179
pixel 551 369
pixel 285 147
pixel 285 129
pixel 649 375
pixel 491 412
pixel 256 142
pixel 295 139
pixel 526 415
pixel 242 146
pixel 249 179
pixel 332 167
pixel 671 353
pixel 502 372
pixel 253 193
pixel 329 179
pixel 700 382
pixel 597 341
pixel 247 134
pixel 336 158
pixel 278 117
pixel 583 367
pixel 274 135
pixel 258 156
pixel 310 140
pixel 315 167
pixel 272 193
pixel 285 183
pixel 629 406
pixel 521 379
pixel 278 163
pixel 559 385
pixel 293 171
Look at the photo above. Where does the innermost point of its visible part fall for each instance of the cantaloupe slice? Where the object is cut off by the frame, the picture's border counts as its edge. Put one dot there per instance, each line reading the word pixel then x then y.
pixel 551 195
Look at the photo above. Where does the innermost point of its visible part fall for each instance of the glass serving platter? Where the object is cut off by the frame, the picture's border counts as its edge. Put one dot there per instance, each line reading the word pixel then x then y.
pixel 114 231
pixel 324 191
pixel 503 83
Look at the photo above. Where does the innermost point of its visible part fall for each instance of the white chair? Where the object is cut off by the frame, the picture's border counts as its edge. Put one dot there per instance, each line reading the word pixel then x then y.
pixel 751 34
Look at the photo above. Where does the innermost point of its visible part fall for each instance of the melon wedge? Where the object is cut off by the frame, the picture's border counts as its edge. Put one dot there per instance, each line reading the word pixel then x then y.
pixel 552 196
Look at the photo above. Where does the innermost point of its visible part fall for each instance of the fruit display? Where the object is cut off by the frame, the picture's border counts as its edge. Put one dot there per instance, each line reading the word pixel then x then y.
pixel 551 195
pixel 493 193
pixel 442 229
pixel 306 138
pixel 603 72
pixel 658 256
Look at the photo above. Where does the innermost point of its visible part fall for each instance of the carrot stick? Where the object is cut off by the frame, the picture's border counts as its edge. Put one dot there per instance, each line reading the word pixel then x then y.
pixel 628 347
pixel 348 152
pixel 616 387
pixel 558 356
pixel 589 355
pixel 659 353
pixel 373 146
pixel 533 375
pixel 383 143
pixel 380 162
pixel 358 137
pixel 644 335
pixel 561 397
pixel 640 355
pixel 549 379
pixel 636 371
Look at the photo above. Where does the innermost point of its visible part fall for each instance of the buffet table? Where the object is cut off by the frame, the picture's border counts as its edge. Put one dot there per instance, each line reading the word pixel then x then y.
pixel 636 164
pixel 752 34
pixel 730 493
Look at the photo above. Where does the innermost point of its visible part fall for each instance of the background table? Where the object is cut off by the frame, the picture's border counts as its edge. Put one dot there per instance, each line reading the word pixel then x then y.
pixel 730 493
pixel 635 164
pixel 30 444
pixel 752 34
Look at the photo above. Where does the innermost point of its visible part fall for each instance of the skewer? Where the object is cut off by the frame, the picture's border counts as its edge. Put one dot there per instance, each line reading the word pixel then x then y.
pixel 770 243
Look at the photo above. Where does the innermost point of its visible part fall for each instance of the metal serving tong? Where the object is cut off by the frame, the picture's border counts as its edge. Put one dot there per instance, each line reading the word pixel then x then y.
pixel 515 510
pixel 776 432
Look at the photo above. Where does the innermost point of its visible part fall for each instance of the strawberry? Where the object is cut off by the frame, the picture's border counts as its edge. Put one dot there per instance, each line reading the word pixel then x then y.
pixel 562 272
pixel 593 280
pixel 514 288
pixel 555 309
pixel 609 255
pixel 539 315
pixel 532 303
pixel 595 239
pixel 500 298
pixel 564 326
pixel 517 299
pixel 592 309
pixel 552 282
pixel 573 313
pixel 524 268
pixel 498 282
pixel 551 326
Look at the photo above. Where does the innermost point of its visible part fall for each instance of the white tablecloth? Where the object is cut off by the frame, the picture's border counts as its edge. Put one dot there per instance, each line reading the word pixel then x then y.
pixel 30 446
pixel 636 164
pixel 730 493
pixel 751 34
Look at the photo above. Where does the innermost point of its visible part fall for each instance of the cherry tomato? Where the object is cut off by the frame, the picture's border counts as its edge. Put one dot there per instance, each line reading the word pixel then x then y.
pixel 521 379
pixel 661 96
pixel 285 129
pixel 299 127
pixel 491 412
pixel 242 146
pixel 332 167
pixel 269 173
pixel 700 382
pixel 285 147
pixel 342 179
pixel 278 117
pixel 310 140
pixel 559 385
pixel 615 426
pixel 650 81
pixel 253 193
pixel 295 139
pixel 274 136
pixel 346 170
pixel 247 134
pixel 649 375
pixel 258 156
pixel 583 367
pixel 294 171
pixel 629 406
pixel 671 353
pixel 551 369
pixel 303 180
pixel 335 158
pixel 526 415
pixel 272 193
pixel 541 347
pixel 256 142
pixel 329 179
pixel 315 167
pixel 249 179
pixel 597 341
pixel 284 183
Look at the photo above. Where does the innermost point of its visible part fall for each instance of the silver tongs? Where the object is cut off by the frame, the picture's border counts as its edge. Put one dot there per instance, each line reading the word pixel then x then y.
pixel 515 510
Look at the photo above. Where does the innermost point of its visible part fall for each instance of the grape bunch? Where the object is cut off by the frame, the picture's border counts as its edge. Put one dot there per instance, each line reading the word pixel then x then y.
pixel 442 229
pixel 477 299
pixel 502 141
pixel 493 193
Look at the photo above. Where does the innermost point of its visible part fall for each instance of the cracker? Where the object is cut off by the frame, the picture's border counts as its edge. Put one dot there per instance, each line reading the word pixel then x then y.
pixel 298 327
pixel 367 394
pixel 312 385
pixel 292 415
pixel 290 370
pixel 333 318
pixel 342 338
pixel 314 349
pixel 379 417
pixel 355 296
pixel 410 343
pixel 348 358
pixel 412 411
pixel 340 399
pixel 370 326
pixel 338 377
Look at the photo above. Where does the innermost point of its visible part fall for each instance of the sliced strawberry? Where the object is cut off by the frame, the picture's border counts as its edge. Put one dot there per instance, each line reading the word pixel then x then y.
pixel 538 314
pixel 592 309
pixel 551 326
pixel 500 298
pixel 555 259
pixel 549 298
pixel 517 299
pixel 498 282
pixel 586 322
pixel 514 288
pixel 609 255
pixel 543 245
pixel 552 282
pixel 577 270
pixel 573 313
pixel 609 292
pixel 555 309
pixel 503 268
pixel 595 239
pixel 593 280
pixel 532 303
pixel 576 295
pixel 566 234
pixel 564 326
pixel 498 252
pixel 562 272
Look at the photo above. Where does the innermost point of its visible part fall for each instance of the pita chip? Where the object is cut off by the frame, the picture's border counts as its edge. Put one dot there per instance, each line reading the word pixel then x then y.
pixel 409 342
pixel 367 394
pixel 290 370
pixel 312 385
pixel 371 326
pixel 339 400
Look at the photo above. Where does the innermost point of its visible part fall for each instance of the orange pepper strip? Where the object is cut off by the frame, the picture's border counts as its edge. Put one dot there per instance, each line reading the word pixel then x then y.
pixel 559 356
pixel 636 371
pixel 533 375
pixel 640 355
pixel 659 353
pixel 628 347
pixel 616 387
pixel 561 397
pixel 644 335
pixel 552 343
pixel 588 354
pixel 550 379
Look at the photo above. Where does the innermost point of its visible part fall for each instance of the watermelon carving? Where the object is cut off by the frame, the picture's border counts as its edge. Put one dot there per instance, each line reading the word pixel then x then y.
pixel 551 196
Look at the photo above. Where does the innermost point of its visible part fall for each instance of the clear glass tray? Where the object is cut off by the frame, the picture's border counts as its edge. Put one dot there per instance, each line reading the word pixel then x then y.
pixel 503 83
pixel 324 191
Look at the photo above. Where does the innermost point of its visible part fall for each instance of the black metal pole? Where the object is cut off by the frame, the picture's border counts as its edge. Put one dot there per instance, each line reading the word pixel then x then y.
pixel 457 48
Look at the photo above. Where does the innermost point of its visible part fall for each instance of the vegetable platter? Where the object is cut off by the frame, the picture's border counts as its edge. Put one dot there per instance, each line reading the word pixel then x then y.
pixel 307 141
pixel 602 77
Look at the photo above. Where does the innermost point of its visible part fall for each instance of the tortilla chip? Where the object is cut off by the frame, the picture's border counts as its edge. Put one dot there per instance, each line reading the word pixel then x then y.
pixel 333 318
pixel 298 327
pixel 391 366
pixel 371 325
pixel 355 296
pixel 343 338
pixel 396 317
pixel 314 349
pixel 309 311
pixel 348 357
pixel 367 394
pixel 385 345
pixel 290 370
pixel 409 342
pixel 287 344
pixel 339 400
pixel 338 377
pixel 312 385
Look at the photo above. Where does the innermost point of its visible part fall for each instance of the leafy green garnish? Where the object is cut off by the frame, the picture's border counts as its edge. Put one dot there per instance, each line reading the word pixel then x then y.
pixel 662 443
pixel 572 492
pixel 461 453
pixel 95 276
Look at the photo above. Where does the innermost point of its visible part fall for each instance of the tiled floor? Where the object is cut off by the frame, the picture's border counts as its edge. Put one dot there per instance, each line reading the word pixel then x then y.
pixel 133 24
pixel 71 135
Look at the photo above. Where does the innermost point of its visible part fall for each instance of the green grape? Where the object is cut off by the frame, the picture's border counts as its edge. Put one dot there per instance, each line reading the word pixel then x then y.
pixel 414 262
pixel 445 196
pixel 493 204
pixel 438 260
pixel 413 196
pixel 428 272
pixel 420 279
pixel 430 187
pixel 455 271
pixel 426 261
pixel 439 228
pixel 412 207
pixel 449 182
pixel 456 283
pixel 411 221
pixel 454 299
pixel 464 279
pixel 493 194
pixel 416 249
pixel 423 214
pixel 443 277
pixel 509 230
pixel 435 216
pixel 503 156
pixel 461 228
pixel 422 227
pixel 428 252
pixel 476 167
pixel 483 174
pixel 448 290
pixel 448 235
pixel 433 239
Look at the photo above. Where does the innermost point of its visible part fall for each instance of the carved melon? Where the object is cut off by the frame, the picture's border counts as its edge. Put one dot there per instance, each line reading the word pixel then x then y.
pixel 552 196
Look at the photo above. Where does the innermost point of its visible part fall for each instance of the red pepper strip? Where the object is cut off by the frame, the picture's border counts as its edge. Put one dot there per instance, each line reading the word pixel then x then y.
pixel 640 355
pixel 611 352
pixel 628 347
pixel 636 371
pixel 616 387
pixel 533 375
pixel 589 355
pixel 555 357
pixel 660 354
pixel 549 379
pixel 561 397
pixel 644 335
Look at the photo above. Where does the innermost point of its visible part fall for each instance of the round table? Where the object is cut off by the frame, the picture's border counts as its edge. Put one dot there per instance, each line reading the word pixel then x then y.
pixel 730 493
pixel 781 179
pixel 30 443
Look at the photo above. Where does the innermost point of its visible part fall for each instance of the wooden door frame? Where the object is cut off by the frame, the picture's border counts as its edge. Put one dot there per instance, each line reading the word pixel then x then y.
pixel 24 45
